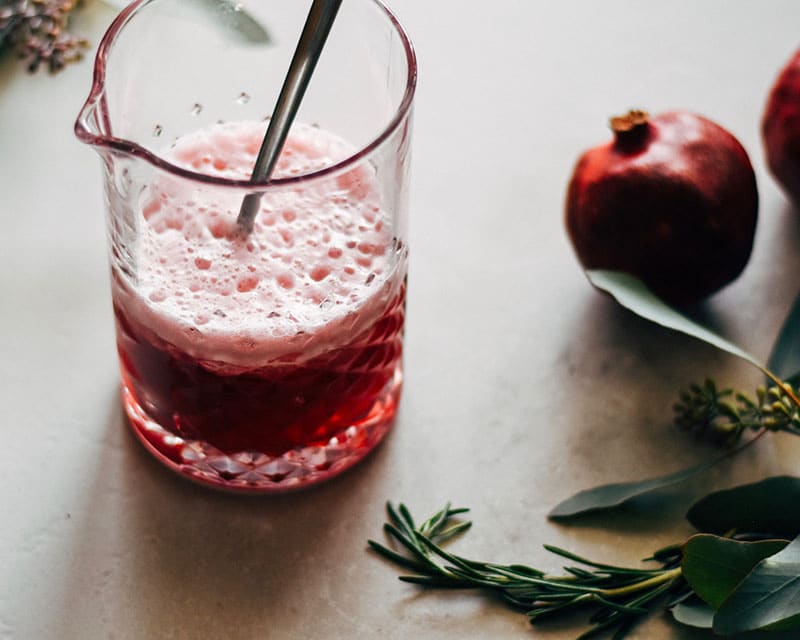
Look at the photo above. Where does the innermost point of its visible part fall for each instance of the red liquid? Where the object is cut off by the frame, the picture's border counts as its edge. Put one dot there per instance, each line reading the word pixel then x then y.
pixel 272 409
pixel 267 361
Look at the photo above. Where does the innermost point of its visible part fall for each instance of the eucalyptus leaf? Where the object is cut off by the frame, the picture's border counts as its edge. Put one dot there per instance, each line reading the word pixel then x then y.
pixel 714 566
pixel 784 361
pixel 768 598
pixel 766 507
pixel 611 496
pixel 632 294
pixel 693 614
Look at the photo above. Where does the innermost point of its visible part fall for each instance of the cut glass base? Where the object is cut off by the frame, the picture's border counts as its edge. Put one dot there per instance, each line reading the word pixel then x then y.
pixel 256 472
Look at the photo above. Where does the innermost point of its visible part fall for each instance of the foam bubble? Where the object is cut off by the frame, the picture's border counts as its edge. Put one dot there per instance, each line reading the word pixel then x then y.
pixel 306 261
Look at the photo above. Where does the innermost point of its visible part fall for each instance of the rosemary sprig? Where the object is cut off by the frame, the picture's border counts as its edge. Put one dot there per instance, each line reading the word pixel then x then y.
pixel 724 415
pixel 619 596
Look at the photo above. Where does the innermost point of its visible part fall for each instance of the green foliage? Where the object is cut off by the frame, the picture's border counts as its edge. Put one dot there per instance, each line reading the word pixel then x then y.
pixel 617 596
pixel 714 566
pixel 610 496
pixel 767 598
pixel 739 574
pixel 766 507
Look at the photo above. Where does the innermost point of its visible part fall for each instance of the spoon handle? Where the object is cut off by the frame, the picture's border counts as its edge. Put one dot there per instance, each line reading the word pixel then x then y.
pixel 315 33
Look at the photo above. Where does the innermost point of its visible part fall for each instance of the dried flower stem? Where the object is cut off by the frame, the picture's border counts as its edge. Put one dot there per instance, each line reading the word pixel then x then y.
pixel 37 31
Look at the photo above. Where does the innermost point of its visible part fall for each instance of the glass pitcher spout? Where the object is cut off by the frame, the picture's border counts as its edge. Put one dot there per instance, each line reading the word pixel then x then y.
pixel 227 19
pixel 93 125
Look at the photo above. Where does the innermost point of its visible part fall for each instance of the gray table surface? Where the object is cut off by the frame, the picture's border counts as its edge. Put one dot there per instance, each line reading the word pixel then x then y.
pixel 523 384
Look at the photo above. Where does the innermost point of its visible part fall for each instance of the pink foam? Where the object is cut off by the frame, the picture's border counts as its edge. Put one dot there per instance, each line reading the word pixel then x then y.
pixel 317 268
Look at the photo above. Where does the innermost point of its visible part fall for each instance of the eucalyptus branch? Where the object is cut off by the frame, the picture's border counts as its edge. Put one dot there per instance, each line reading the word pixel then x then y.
pixel 619 596
pixel 724 415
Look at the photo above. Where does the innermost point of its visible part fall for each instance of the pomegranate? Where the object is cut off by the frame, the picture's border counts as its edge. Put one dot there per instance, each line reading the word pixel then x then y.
pixel 780 128
pixel 671 200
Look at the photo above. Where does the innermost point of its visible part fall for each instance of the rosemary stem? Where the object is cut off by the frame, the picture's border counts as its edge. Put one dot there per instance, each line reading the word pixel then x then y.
pixel 618 595
pixel 666 576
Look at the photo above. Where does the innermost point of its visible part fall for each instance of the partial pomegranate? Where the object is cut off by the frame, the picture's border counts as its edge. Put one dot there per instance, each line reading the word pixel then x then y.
pixel 780 128
pixel 672 200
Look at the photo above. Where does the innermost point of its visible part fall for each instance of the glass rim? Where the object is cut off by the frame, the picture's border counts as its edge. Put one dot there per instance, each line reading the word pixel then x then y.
pixel 96 100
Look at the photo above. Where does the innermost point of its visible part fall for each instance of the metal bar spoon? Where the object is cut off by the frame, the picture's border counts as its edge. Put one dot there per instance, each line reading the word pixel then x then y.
pixel 309 47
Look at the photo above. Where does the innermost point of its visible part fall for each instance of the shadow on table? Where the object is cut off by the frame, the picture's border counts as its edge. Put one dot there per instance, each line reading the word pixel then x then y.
pixel 156 556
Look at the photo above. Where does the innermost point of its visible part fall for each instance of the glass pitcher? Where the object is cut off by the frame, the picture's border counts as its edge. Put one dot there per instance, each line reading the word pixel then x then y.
pixel 267 360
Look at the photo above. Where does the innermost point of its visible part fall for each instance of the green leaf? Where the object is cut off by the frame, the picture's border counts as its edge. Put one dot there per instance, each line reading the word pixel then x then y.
pixel 693 614
pixel 632 294
pixel 611 496
pixel 768 598
pixel 762 507
pixel 784 361
pixel 714 566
